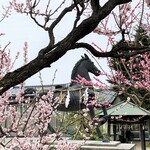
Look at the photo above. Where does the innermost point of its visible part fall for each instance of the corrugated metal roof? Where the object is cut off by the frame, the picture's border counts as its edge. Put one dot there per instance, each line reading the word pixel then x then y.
pixel 106 95
pixel 15 89
pixel 127 109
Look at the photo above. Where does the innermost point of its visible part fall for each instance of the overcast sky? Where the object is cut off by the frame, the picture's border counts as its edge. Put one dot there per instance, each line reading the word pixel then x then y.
pixel 20 28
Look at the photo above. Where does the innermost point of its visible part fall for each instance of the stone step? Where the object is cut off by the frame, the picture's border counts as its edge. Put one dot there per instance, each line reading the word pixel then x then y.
pixel 119 147
pixel 98 145
pixel 112 145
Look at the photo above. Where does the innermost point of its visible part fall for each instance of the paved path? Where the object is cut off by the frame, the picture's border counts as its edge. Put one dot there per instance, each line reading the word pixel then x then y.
pixel 138 145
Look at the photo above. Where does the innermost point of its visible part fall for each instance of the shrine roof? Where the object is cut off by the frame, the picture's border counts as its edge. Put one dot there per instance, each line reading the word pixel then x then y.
pixel 126 108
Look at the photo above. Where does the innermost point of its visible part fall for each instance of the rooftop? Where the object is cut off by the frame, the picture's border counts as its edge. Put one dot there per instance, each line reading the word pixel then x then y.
pixel 126 108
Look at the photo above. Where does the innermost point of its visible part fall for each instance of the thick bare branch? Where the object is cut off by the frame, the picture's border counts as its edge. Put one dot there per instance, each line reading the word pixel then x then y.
pixel 95 5
pixel 117 53
pixel 79 12
pixel 58 19
pixel 92 50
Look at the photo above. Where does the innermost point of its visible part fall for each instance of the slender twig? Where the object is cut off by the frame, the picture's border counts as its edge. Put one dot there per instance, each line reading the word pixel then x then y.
pixel 140 23
pixel 28 119
pixel 25 111
pixel 77 132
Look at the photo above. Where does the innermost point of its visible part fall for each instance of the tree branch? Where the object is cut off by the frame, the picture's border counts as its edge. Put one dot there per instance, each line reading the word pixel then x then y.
pixel 58 19
pixel 79 13
pixel 92 50
pixel 95 5
pixel 115 51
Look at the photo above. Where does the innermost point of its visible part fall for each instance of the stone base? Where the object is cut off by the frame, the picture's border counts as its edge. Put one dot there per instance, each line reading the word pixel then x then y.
pixel 98 145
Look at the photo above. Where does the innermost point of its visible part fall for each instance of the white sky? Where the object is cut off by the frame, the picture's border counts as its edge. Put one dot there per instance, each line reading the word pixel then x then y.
pixel 20 28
